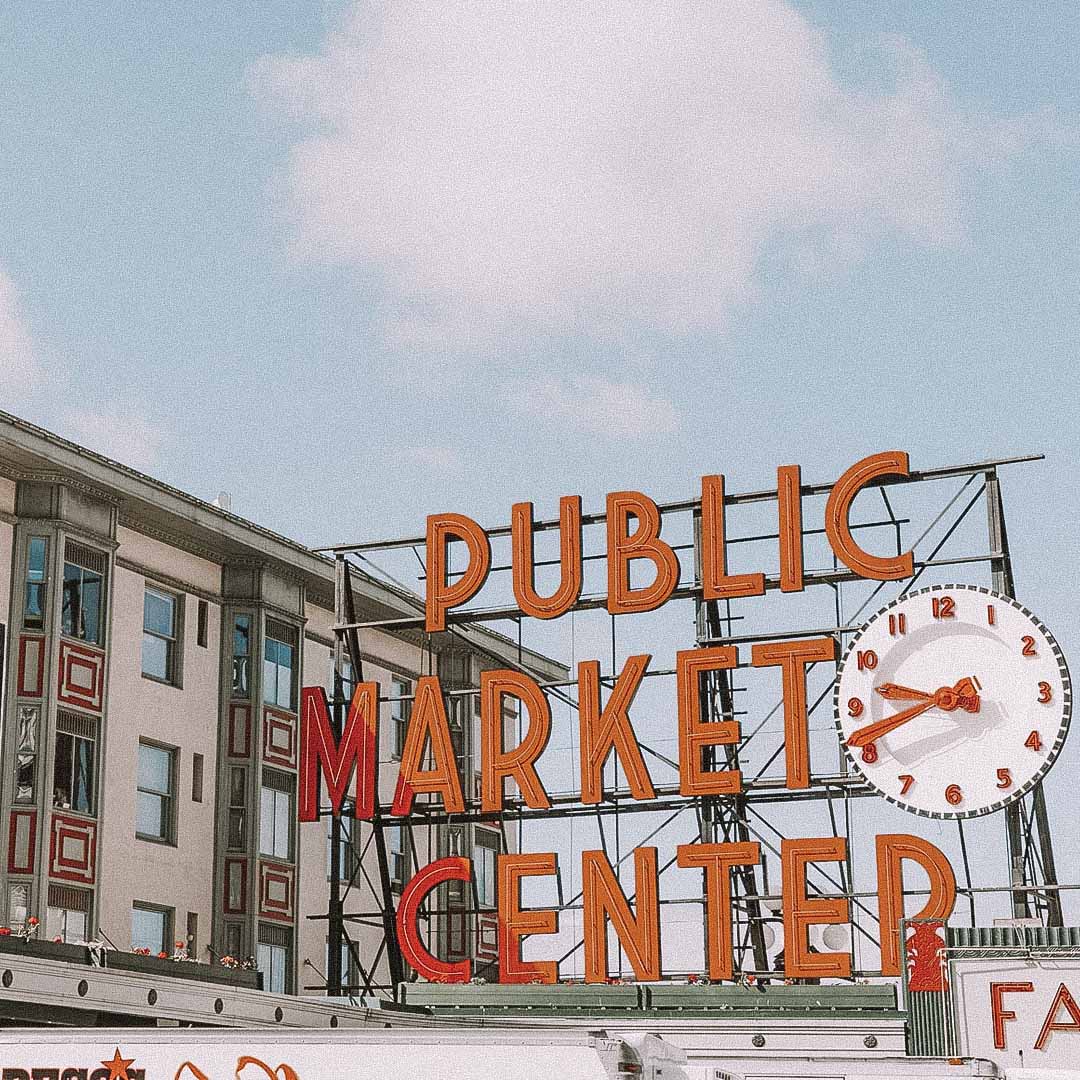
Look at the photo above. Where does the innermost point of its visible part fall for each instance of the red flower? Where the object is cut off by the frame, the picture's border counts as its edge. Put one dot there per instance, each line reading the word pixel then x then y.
pixel 5 931
pixel 163 956
pixel 58 939
pixel 32 921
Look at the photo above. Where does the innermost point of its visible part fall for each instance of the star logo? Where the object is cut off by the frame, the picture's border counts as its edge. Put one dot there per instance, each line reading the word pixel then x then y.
pixel 118 1067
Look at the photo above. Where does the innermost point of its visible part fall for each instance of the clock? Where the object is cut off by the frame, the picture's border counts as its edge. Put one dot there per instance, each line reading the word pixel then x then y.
pixel 953 701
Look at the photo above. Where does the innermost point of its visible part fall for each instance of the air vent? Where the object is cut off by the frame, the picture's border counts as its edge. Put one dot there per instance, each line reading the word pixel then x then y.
pixel 86 557
pixel 73 723
pixel 68 898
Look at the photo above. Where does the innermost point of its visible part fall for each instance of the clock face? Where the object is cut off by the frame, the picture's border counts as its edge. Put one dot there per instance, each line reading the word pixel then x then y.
pixel 953 701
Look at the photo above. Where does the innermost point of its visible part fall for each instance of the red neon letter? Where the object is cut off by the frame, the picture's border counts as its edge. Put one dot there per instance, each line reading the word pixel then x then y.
pixel 317 747
pixel 892 850
pixel 430 967
pixel 800 912
pixel 514 923
pixel 521 532
pixel 496 763
pixel 442 596
pixel 792 658
pixel 789 510
pixel 1000 1015
pixel 428 722
pixel 640 936
pixel 609 729
pixel 838 509
pixel 716 584
pixel 645 543
pixel 1050 1024
pixel 717 860
pixel 695 733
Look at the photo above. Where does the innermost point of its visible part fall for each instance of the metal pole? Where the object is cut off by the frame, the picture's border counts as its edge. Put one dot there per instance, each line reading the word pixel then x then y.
pixel 336 926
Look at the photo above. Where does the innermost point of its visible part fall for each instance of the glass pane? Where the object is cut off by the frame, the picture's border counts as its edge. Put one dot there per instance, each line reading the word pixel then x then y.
pixel 62 770
pixel 75 927
pixel 242 636
pixel 270 682
pixel 91 605
pixel 24 778
pixel 277 969
pixel 28 721
pixel 54 923
pixel 150 817
pixel 237 787
pixel 83 780
pixel 18 904
pixel 284 687
pixel 155 656
pixel 282 821
pixel 35 558
pixel 266 821
pixel 34 615
pixel 72 615
pixel 237 836
pixel 148 930
pixel 155 767
pixel 159 613
pixel 262 959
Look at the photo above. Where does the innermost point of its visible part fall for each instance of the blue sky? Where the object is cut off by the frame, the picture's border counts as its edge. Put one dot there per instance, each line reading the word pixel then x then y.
pixel 359 262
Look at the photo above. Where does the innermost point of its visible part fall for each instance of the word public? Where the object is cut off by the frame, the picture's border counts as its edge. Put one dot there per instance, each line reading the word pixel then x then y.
pixel 429 768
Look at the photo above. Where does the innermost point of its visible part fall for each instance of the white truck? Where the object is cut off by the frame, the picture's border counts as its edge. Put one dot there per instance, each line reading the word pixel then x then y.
pixel 297 1054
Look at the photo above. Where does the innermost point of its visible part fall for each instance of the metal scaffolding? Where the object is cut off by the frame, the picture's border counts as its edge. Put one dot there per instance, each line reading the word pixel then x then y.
pixel 949 543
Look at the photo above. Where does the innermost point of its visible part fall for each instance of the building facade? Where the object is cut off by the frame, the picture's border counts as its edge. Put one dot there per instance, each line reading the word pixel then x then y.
pixel 154 650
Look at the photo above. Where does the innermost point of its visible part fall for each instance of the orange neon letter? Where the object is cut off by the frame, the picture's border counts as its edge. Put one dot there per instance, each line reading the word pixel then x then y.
pixel 441 596
pixel 695 733
pixel 792 658
pixel 838 510
pixel 521 532
pixel 514 924
pixel 892 850
pixel 604 899
pixel 607 730
pixel 428 723
pixel 496 763
pixel 789 511
pixel 318 748
pixel 1050 1024
pixel 800 912
pixel 414 894
pixel 716 584
pixel 645 543
pixel 1000 1014
pixel 717 860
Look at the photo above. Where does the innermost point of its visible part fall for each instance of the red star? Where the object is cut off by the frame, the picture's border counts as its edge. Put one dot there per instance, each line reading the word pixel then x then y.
pixel 118 1067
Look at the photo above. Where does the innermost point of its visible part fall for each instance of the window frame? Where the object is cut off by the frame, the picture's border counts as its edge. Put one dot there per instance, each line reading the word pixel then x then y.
pixel 174 646
pixel 167 927
pixel 397 857
pixel 241 661
pixel 283 792
pixel 400 713
pixel 486 877
pixel 91 809
pixel 36 621
pixel 68 606
pixel 272 950
pixel 169 798
pixel 293 668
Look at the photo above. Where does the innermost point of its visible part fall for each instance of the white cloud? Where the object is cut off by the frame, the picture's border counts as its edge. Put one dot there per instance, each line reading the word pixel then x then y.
pixel 601 166
pixel 19 368
pixel 125 437
pixel 596 405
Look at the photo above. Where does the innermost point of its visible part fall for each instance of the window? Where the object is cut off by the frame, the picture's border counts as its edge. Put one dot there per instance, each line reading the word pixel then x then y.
pixel 346 856
pixel 18 905
pixel 272 957
pixel 236 838
pixel 74 768
pixel 275 815
pixel 241 678
pixel 399 713
pixel 346 962
pixel 197 777
pixel 151 928
pixel 485 863
pixel 160 641
pixel 202 624
pixel 84 593
pixel 67 915
pixel 279 664
pixel 397 856
pixel 155 812
pixel 347 684
pixel 37 552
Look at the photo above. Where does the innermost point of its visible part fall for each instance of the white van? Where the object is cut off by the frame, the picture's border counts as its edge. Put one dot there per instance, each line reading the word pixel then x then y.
pixel 297 1054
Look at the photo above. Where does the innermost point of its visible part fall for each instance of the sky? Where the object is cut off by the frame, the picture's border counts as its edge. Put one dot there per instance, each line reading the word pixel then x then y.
pixel 358 262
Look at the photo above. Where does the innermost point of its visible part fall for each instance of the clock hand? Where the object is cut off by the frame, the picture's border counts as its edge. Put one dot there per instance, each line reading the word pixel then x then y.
pixel 893 692
pixel 964 695
pixel 873 732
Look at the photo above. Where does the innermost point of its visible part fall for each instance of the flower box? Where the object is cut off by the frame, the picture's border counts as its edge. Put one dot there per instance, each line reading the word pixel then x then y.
pixel 178 969
pixel 44 950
